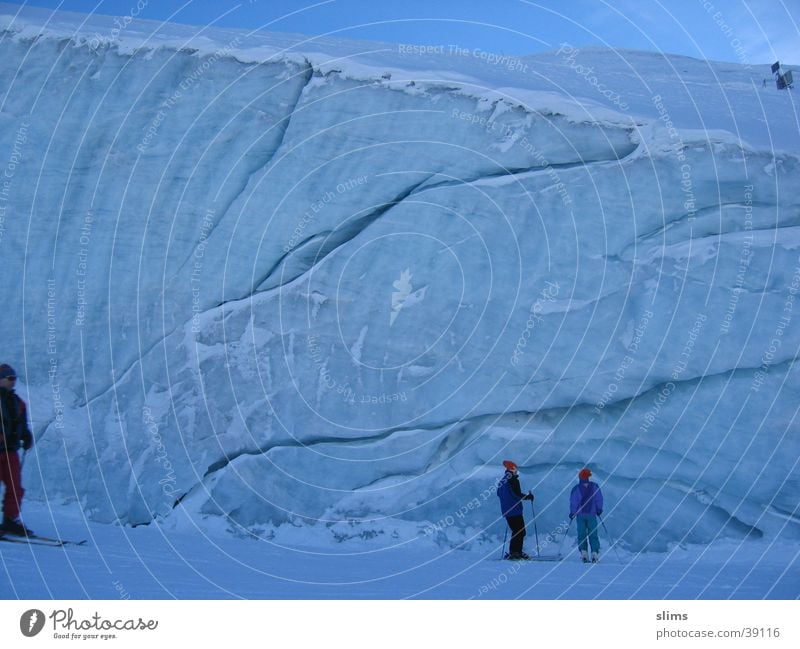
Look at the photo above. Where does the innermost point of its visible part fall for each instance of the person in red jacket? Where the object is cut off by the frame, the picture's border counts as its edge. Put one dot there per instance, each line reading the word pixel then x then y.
pixel 14 432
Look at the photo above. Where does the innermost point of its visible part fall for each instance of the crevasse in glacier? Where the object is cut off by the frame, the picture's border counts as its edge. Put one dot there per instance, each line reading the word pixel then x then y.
pixel 306 284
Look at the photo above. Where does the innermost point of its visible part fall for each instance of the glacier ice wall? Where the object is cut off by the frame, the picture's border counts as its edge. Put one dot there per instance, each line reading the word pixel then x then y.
pixel 289 294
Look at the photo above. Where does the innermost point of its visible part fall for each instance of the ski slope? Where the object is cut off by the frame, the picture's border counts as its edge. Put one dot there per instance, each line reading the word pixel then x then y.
pixel 152 562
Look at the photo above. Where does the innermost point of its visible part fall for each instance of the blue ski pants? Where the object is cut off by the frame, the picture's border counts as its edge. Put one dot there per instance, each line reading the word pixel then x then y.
pixel 587 531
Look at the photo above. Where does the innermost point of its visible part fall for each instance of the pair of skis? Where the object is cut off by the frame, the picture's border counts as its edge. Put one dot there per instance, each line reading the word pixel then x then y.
pixel 540 557
pixel 35 539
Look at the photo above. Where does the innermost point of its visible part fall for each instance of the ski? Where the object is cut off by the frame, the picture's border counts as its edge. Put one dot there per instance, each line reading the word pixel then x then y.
pixel 25 540
pixel 39 540
pixel 59 541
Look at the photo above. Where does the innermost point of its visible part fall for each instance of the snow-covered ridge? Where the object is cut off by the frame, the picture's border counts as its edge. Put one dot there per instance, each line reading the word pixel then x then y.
pixel 299 284
pixel 334 57
pixel 590 89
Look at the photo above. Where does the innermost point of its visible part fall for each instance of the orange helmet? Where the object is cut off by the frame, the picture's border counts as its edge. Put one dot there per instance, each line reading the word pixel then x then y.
pixel 508 464
pixel 584 474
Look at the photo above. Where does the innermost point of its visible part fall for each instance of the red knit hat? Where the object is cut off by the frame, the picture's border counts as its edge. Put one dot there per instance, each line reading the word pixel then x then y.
pixel 508 464
pixel 584 474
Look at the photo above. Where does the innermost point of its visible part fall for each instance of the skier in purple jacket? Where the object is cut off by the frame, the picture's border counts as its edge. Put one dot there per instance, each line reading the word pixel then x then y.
pixel 586 502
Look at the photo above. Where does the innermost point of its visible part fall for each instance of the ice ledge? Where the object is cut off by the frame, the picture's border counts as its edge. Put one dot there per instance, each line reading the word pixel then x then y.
pixel 355 66
pixel 550 85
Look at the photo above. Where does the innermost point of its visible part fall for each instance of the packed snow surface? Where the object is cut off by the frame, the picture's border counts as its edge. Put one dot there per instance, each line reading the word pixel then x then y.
pixel 273 283
pixel 184 562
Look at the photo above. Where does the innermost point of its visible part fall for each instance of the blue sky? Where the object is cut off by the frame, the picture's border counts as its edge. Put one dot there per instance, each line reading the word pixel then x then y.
pixel 745 31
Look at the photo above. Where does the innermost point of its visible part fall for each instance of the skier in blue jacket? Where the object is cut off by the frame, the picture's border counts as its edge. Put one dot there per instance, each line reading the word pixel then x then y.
pixel 586 502
pixel 511 497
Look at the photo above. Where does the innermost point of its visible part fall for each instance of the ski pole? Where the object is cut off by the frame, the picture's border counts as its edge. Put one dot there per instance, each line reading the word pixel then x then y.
pixel 535 527
pixel 563 538
pixel 22 462
pixel 503 549
pixel 613 542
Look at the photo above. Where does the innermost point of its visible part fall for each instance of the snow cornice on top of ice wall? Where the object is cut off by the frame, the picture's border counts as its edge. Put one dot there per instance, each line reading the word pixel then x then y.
pixel 336 289
pixel 379 63
pixel 582 84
